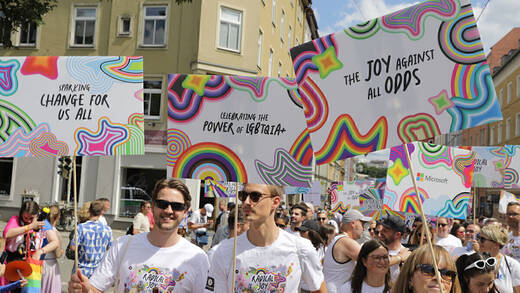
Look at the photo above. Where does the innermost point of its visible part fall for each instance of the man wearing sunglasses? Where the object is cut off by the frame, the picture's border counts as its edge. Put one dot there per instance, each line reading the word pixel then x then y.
pixel 268 259
pixel 158 260
pixel 444 238
pixel 512 248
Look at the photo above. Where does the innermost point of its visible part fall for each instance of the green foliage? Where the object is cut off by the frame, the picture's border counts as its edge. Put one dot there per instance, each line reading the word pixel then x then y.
pixel 14 13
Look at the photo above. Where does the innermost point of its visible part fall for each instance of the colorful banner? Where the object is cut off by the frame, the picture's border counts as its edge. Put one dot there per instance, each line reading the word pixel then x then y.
pixel 59 106
pixel 443 175
pixel 237 129
pixel 315 188
pixel 406 76
pixel 497 167
pixel 346 195
pixel 505 199
pixel 220 189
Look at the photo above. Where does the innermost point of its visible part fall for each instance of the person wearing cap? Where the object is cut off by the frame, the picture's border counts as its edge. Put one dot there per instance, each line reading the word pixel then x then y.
pixel 391 234
pixel 341 254
pixel 310 229
pixel 199 223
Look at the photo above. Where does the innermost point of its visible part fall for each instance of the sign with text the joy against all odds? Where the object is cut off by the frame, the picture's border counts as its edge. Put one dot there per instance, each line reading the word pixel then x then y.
pixel 406 76
pixel 74 105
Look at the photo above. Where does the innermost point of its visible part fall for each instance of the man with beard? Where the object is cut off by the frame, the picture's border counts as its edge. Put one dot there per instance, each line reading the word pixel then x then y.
pixel 298 213
pixel 512 248
pixel 158 260
pixel 341 254
pixel 391 233
pixel 268 259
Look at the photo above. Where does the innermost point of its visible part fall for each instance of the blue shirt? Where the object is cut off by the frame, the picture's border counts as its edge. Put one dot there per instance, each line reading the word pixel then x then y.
pixel 94 240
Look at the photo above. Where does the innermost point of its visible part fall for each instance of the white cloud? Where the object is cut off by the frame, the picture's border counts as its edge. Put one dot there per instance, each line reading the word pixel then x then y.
pixel 498 18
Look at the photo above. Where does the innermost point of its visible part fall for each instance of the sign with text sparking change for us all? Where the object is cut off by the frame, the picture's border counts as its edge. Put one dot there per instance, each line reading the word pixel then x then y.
pixel 406 76
pixel 237 129
pixel 443 175
pixel 73 105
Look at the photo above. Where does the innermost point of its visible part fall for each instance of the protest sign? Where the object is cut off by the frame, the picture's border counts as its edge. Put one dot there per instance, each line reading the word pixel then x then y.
pixel 443 175
pixel 73 105
pixel 505 199
pixel 220 189
pixel 497 167
pixel 345 195
pixel 407 76
pixel 237 129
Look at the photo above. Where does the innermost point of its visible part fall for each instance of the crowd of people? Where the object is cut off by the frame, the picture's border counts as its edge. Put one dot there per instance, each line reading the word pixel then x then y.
pixel 279 248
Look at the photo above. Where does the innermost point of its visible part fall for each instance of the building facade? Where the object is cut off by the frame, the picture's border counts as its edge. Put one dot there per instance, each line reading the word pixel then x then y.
pixel 229 37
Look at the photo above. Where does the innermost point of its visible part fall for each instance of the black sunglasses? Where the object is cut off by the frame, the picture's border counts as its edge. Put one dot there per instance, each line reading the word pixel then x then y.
pixel 281 226
pixel 483 239
pixel 429 270
pixel 255 196
pixel 442 225
pixel 322 219
pixel 176 206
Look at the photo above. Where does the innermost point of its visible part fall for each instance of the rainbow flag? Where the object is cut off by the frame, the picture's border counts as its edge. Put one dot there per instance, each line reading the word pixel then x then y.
pixel 35 278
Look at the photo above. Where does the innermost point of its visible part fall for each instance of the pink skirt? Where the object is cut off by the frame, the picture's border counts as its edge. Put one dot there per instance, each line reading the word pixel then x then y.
pixel 51 276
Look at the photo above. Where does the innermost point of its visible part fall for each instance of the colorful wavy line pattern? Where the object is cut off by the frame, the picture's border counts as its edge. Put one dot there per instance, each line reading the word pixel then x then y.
pixel 102 142
pixel 139 95
pixel 18 143
pixel 463 166
pixel 47 145
pixel 85 69
pixel 295 97
pixel 258 87
pixel 397 171
pixel 209 160
pixel 459 39
pixel 12 118
pixel 411 20
pixel 135 144
pixel 476 109
pixel 417 127
pixel 137 119
pixel 184 104
pixel 214 188
pixel 510 177
pixel 408 200
pixel 340 207
pixel 345 140
pixel 327 62
pixel 441 102
pixel 8 79
pixel 44 65
pixel 433 156
pixel 177 142
pixel 398 152
pixel 390 199
pixel 315 105
pixel 124 68
pixel 284 171
pixel 458 208
pixel 363 30
pixel 301 148
pixel 371 199
pixel 302 55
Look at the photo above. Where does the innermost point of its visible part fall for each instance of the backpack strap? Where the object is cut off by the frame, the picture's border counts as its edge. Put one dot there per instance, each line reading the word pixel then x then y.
pixel 116 283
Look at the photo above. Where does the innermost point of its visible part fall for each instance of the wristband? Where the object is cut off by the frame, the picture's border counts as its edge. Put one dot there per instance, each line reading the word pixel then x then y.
pixel 26 228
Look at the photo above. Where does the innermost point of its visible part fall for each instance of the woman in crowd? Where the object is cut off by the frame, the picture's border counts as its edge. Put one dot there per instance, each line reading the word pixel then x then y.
pixel 476 273
pixel 418 234
pixel 459 231
pixel 14 285
pixel 327 233
pixel 372 270
pixel 51 275
pixel 491 239
pixel 310 230
pixel 418 274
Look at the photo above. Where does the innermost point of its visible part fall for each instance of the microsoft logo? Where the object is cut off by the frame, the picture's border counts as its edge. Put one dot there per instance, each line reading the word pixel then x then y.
pixel 420 176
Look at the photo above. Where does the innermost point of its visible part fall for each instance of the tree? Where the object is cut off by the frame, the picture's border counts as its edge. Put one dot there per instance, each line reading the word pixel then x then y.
pixel 15 13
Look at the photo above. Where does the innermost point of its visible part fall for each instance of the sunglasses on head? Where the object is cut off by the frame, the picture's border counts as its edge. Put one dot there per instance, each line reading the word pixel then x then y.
pixel 255 196
pixel 481 264
pixel 176 206
pixel 429 271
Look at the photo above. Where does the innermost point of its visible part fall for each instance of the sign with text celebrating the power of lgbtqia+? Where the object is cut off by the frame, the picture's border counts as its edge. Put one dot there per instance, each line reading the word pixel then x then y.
pixel 58 106
pixel 443 175
pixel 237 129
pixel 497 167
pixel 406 76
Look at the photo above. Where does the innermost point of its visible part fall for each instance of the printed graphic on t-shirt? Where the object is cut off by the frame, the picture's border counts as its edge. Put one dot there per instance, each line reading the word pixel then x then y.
pixel 143 278
pixel 272 279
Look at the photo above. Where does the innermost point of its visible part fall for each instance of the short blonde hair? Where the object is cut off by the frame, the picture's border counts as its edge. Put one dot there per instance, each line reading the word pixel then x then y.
pixel 496 234
pixel 84 213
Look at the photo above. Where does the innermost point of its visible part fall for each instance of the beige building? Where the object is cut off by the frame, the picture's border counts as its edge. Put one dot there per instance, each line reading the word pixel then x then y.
pixel 232 37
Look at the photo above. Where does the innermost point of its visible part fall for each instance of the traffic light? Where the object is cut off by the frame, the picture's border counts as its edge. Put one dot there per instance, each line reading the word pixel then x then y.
pixel 64 167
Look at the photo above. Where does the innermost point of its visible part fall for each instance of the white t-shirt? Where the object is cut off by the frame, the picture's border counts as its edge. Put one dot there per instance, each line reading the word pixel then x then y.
pixel 197 218
pixel 449 243
pixel 182 267
pixel 365 288
pixel 276 267
pixel 141 223
pixel 395 269
pixel 289 230
pixel 507 279
pixel 103 220
pixel 513 247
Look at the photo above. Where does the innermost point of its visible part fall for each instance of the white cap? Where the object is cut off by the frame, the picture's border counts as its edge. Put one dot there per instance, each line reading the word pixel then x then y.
pixel 209 209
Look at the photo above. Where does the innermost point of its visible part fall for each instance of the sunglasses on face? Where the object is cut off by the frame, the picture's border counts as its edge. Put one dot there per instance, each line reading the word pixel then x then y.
pixel 322 219
pixel 470 231
pixel 255 196
pixel 442 225
pixel 483 239
pixel 176 206
pixel 283 226
pixel 429 271
pixel 481 264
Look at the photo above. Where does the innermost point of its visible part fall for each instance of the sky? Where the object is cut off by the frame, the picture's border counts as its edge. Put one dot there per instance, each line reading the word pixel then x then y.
pixel 497 18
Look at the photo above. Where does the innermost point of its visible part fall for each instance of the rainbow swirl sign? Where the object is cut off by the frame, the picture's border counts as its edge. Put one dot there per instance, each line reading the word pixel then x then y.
pixel 237 129
pixel 444 178
pixel 406 76
pixel 74 105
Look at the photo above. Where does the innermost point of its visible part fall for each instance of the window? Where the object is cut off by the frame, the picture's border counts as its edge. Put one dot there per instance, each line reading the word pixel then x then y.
pixel 518 86
pixel 500 97
pixel 270 66
pixel 477 139
pixel 154 26
pixel 491 135
pixel 136 187
pixel 28 34
pixel 230 29
pixel 125 25
pixel 509 88
pixel 6 175
pixel 274 13
pixel 2 29
pixel 152 99
pixel 84 26
pixel 517 125
pixel 508 128
pixel 279 69
pixel 483 136
pixel 259 57
pixel 289 37
pixel 499 132
pixel 282 22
